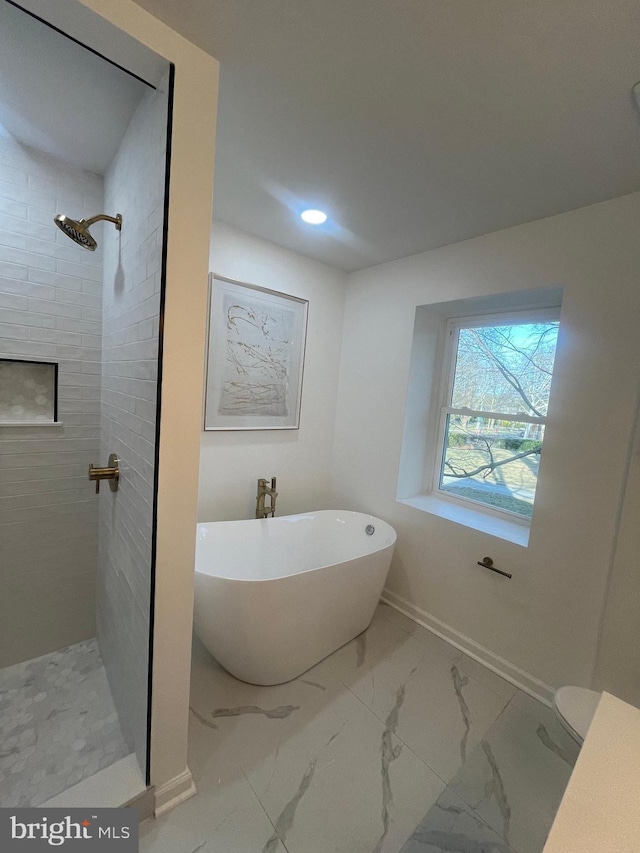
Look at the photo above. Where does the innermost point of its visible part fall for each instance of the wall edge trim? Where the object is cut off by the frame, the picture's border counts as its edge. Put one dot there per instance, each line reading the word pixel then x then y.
pixel 174 792
pixel 504 668
pixel 144 802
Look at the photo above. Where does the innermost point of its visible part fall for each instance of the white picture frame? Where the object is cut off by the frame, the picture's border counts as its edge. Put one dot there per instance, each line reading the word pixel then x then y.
pixel 255 357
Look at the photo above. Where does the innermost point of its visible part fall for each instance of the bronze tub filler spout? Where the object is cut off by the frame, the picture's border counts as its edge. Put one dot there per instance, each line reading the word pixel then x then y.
pixel 263 511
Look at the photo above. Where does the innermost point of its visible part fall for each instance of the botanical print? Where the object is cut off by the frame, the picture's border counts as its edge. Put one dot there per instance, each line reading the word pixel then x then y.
pixel 258 357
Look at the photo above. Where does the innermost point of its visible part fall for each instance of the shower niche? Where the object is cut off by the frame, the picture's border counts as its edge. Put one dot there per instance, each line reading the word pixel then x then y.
pixel 28 393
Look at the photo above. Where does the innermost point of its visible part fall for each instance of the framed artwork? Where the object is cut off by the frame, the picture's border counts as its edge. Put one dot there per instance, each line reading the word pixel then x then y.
pixel 255 357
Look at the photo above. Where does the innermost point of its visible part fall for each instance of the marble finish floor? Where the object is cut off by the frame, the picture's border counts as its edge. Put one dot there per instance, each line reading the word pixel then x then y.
pixel 396 742
pixel 58 724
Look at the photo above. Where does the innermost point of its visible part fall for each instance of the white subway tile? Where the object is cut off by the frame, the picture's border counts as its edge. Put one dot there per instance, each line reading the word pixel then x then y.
pixel 76 297
pixel 30 229
pixel 91 313
pixel 75 269
pixel 30 259
pixel 10 300
pixel 27 288
pixel 13 332
pixel 44 472
pixel 14 271
pixel 55 309
pixel 87 393
pixel 93 287
pixel 44 498
pixel 13 176
pixel 69 201
pixel 86 380
pixel 88 327
pixel 13 208
pixel 28 318
pixel 31 349
pixel 42 180
pixel 44 216
pixel 16 241
pixel 39 202
pixel 56 336
pixel 55 279
pixel 52 249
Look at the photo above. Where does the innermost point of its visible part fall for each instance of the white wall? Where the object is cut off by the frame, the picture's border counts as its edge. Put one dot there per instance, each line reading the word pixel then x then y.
pixel 546 620
pixel 618 666
pixel 134 187
pixel 50 309
pixel 231 462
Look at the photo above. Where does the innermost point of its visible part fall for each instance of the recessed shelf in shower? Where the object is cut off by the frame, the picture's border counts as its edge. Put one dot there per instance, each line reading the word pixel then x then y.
pixel 28 393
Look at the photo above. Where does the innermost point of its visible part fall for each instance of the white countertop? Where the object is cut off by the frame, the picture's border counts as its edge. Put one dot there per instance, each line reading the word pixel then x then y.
pixel 600 810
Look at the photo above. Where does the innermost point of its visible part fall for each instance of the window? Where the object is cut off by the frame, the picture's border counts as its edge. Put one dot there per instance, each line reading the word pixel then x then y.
pixel 495 393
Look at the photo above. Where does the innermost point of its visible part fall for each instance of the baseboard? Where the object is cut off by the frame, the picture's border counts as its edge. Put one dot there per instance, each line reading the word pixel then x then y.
pixel 174 792
pixel 509 671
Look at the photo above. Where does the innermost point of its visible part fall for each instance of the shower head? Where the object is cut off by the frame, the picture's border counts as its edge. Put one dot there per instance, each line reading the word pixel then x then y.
pixel 79 232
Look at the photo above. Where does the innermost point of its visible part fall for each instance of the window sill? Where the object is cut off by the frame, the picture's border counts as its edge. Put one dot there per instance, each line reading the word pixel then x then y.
pixel 501 528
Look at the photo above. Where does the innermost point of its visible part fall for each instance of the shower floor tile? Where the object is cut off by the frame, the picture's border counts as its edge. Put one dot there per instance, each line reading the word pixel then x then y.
pixel 58 724
pixel 396 742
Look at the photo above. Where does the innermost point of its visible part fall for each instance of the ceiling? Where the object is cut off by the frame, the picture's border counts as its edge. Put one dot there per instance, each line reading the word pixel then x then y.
pixel 60 98
pixel 415 123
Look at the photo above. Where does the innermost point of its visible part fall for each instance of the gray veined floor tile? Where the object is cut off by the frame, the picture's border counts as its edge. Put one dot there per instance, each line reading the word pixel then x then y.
pixel 223 817
pixel 516 776
pixel 394 616
pixel 445 712
pixel 344 783
pixel 428 638
pixel 329 774
pixel 231 718
pixel 451 826
pixel 495 683
pixel 351 756
pixel 524 702
pixel 381 637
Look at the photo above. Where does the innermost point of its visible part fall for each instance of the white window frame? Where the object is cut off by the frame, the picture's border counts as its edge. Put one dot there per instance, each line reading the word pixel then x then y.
pixel 444 407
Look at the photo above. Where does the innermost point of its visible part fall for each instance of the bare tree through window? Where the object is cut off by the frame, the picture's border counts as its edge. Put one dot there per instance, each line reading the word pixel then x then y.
pixel 495 412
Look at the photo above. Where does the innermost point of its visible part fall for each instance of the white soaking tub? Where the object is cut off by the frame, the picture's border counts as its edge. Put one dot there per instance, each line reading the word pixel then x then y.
pixel 274 596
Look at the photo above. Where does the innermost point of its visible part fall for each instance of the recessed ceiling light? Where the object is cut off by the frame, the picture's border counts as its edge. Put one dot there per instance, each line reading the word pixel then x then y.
pixel 314 217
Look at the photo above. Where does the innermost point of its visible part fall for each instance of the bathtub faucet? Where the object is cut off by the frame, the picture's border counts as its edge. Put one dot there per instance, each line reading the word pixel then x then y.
pixel 263 511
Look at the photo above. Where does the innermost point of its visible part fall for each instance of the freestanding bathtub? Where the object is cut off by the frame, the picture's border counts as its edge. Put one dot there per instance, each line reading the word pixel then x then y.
pixel 274 596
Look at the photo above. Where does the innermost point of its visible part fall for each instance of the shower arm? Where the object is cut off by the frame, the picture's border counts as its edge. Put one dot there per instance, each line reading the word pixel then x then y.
pixel 117 220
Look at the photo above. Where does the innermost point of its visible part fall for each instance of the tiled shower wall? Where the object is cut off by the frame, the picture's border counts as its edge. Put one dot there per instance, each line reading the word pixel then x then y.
pixel 134 187
pixel 50 309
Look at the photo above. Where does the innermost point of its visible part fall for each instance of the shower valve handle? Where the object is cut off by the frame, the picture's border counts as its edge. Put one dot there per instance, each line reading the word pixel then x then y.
pixel 110 473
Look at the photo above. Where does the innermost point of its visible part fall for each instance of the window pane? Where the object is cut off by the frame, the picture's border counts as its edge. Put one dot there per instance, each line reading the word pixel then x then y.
pixel 505 368
pixel 492 462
